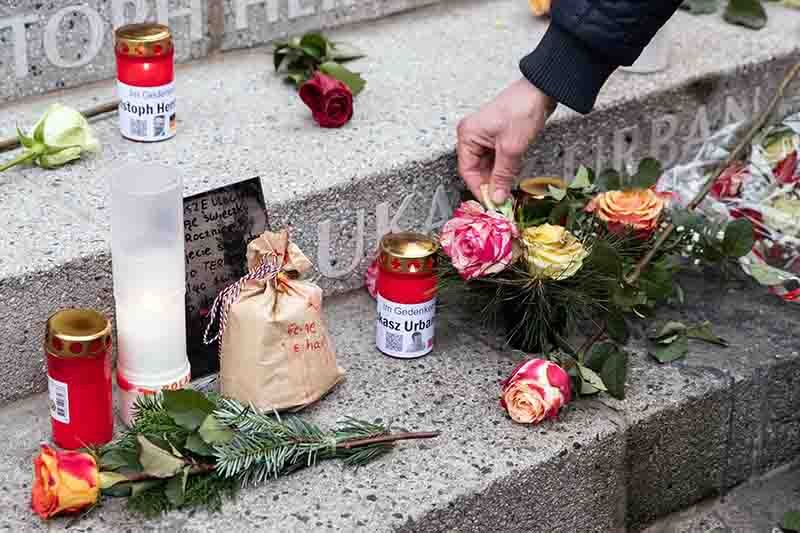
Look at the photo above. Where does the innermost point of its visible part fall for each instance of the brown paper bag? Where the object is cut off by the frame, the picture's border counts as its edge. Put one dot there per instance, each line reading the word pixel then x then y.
pixel 276 352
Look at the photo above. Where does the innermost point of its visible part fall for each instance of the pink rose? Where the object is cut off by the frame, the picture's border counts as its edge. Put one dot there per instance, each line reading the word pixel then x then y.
pixel 371 277
pixel 479 242
pixel 787 171
pixel 535 391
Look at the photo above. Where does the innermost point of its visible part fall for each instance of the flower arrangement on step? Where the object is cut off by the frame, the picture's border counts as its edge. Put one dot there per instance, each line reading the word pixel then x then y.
pixel 601 251
pixel 559 256
pixel 189 449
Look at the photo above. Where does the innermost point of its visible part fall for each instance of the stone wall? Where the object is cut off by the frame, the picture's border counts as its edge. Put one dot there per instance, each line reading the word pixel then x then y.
pixel 50 45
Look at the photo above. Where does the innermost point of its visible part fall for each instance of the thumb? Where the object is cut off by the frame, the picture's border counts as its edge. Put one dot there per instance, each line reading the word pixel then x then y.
pixel 507 164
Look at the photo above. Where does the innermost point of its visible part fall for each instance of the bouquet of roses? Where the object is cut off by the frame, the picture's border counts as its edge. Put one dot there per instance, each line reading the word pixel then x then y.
pixel 591 253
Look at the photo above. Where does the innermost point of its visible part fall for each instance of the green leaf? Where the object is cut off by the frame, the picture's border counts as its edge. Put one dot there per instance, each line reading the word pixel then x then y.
pixel 120 490
pixel 700 7
pixel 609 180
pixel 145 485
pixel 767 275
pixel 175 490
pixel 24 140
pixel 614 372
pixel 559 213
pixel 739 238
pixel 591 381
pixel 196 445
pixel 156 461
pixel 648 174
pixel 671 352
pixel 606 259
pixel 597 356
pixel 38 133
pixel 703 332
pixel 114 459
pixel 212 431
pixel 277 59
pixel 791 521
pixel 668 333
pixel 109 479
pixel 352 79
pixel 314 44
pixel 748 13
pixel 556 192
pixel 343 52
pixel 297 78
pixel 617 327
pixel 188 408
pixel 581 180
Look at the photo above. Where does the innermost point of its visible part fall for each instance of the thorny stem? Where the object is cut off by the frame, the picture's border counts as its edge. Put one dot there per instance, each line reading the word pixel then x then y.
pixel 735 154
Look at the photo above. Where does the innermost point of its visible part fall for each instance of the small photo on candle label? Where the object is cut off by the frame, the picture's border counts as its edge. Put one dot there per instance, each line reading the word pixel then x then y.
pixel 59 400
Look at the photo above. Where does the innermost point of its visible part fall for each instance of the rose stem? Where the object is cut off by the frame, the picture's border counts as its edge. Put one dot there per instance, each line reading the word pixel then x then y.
pixel 382 439
pixel 590 342
pixel 755 127
pixel 13 142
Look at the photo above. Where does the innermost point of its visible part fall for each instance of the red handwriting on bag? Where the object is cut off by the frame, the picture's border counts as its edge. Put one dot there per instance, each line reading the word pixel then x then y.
pixel 311 344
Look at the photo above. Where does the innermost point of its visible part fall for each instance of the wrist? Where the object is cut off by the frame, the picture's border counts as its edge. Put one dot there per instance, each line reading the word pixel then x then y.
pixel 540 104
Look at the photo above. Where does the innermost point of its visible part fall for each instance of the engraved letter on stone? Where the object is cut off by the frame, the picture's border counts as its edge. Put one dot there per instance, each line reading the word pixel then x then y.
pixel 324 249
pixel 52 34
pixel 17 25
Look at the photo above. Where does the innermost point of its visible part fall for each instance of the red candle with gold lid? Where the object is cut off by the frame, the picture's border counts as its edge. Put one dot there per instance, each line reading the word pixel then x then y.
pixel 406 294
pixel 145 82
pixel 78 347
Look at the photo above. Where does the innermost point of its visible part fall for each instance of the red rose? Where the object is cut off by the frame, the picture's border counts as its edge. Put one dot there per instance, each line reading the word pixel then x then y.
pixel 787 171
pixel 729 183
pixel 330 100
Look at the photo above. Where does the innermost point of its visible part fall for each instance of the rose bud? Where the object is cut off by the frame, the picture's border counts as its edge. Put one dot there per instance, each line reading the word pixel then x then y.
pixel 330 100
pixel 535 391
pixel 64 482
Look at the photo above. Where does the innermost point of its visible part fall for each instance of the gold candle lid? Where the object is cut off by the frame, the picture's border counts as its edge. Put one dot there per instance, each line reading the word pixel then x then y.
pixel 408 253
pixel 538 187
pixel 143 40
pixel 75 333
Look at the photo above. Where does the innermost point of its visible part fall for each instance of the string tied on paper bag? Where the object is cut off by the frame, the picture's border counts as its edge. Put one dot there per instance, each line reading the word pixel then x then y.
pixel 268 270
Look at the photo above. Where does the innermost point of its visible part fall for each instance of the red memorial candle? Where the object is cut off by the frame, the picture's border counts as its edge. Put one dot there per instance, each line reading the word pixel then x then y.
pixel 78 348
pixel 145 82
pixel 406 295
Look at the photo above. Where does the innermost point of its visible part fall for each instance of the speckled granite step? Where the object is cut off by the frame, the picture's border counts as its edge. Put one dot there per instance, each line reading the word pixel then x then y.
pixel 686 431
pixel 392 166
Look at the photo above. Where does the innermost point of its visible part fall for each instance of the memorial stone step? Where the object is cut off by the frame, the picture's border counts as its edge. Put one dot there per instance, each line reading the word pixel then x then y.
pixel 392 167
pixel 685 432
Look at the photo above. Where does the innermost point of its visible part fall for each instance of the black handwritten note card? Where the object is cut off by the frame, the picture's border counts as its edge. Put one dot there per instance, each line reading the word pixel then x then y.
pixel 217 225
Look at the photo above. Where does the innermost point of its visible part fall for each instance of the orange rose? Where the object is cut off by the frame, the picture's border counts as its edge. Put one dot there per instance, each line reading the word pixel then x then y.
pixel 539 7
pixel 638 210
pixel 64 482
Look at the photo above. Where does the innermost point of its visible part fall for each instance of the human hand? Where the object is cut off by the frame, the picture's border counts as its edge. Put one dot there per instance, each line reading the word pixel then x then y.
pixel 492 141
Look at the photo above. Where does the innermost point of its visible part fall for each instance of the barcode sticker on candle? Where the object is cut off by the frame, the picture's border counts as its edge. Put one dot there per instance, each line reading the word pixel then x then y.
pixel 59 400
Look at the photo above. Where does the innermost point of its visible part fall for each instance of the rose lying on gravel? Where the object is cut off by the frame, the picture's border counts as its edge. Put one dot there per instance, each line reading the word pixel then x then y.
pixel 638 210
pixel 64 482
pixel 330 100
pixel 479 242
pixel 536 390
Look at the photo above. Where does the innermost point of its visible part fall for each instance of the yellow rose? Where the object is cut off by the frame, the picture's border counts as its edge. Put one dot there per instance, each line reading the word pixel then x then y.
pixel 64 482
pixel 552 252
pixel 638 210
pixel 539 7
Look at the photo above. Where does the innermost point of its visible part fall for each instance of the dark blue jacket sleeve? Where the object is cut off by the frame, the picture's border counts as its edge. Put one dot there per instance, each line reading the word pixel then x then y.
pixel 587 40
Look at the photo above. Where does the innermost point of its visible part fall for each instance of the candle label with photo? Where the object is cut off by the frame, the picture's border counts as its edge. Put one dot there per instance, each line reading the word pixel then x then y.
pixel 218 225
